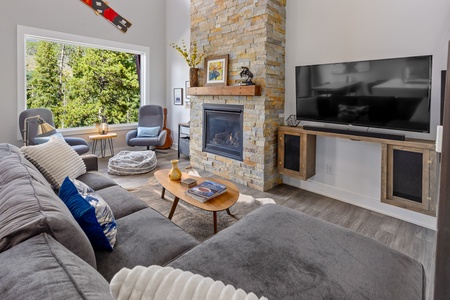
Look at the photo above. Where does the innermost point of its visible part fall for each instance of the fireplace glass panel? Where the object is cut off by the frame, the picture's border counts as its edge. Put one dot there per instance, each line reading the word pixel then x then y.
pixel 223 132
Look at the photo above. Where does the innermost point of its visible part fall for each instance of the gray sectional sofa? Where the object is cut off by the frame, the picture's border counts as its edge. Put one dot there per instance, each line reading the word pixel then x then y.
pixel 274 252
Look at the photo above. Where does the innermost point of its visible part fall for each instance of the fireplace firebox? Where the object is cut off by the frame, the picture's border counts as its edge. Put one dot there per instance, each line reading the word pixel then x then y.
pixel 222 130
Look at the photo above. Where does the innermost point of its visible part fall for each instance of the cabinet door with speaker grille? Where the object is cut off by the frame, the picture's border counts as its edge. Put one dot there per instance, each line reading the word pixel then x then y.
pixel 409 178
pixel 296 153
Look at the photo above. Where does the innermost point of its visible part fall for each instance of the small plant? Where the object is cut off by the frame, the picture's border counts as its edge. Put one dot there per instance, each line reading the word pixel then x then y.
pixel 192 58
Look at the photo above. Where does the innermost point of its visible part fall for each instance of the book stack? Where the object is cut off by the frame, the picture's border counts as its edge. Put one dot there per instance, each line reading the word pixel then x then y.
pixel 206 190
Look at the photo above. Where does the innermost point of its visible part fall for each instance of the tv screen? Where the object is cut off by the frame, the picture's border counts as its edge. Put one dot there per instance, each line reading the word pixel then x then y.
pixel 386 93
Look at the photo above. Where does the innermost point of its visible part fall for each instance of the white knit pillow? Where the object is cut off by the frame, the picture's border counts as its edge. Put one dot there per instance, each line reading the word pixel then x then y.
pixel 55 160
pixel 164 283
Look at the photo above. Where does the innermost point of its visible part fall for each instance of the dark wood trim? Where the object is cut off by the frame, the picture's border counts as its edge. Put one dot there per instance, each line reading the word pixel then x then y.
pixel 442 273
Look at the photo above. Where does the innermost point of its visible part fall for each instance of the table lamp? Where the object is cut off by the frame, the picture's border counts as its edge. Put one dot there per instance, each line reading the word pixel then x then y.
pixel 42 127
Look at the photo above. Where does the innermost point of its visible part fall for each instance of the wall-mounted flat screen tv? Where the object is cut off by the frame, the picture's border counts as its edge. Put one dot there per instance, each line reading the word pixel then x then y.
pixel 385 93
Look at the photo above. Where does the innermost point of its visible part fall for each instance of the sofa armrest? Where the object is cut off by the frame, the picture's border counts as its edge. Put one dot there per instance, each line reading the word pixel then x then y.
pixel 91 162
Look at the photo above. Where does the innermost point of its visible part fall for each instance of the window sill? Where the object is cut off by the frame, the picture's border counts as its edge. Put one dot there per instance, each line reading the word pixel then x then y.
pixel 93 129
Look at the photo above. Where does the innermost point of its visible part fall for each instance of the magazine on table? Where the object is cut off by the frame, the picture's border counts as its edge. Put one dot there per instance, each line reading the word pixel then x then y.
pixel 206 190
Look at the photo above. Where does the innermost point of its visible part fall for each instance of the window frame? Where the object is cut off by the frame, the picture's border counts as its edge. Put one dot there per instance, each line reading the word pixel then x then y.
pixel 24 32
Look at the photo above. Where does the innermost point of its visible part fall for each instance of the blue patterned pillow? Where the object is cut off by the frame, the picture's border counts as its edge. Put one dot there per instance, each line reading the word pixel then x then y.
pixel 92 213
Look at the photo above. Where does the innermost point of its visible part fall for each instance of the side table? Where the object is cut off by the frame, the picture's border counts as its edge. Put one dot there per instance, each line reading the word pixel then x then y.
pixel 103 138
pixel 183 139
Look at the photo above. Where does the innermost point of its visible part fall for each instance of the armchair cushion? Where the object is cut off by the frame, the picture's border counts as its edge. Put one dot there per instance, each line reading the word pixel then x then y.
pixel 148 131
pixel 134 140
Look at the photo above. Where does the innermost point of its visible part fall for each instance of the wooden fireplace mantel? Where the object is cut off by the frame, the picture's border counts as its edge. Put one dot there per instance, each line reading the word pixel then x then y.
pixel 249 90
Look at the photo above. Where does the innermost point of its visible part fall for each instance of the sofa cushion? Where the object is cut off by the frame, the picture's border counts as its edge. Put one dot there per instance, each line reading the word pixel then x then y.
pixel 121 201
pixel 145 238
pixel 28 207
pixel 41 268
pixel 285 254
pixel 55 160
pixel 91 212
pixel 96 180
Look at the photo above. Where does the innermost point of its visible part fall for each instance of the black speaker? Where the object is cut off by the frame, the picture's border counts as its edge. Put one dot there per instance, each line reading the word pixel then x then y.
pixel 407 175
pixel 292 152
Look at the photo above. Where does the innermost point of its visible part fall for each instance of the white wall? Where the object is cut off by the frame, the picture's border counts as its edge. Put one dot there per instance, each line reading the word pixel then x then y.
pixel 177 29
pixel 324 31
pixel 74 17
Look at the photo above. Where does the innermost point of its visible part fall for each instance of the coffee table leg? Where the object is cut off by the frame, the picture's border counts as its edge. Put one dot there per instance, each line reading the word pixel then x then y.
pixel 163 192
pixel 174 205
pixel 215 221
pixel 228 212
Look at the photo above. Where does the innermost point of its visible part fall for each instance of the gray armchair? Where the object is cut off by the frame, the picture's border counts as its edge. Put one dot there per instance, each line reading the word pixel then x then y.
pixel 78 144
pixel 150 116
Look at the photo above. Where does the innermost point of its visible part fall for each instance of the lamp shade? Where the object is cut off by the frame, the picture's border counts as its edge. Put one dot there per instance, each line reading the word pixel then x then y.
pixel 43 127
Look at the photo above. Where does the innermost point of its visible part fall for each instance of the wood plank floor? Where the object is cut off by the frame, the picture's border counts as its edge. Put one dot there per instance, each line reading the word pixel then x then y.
pixel 413 240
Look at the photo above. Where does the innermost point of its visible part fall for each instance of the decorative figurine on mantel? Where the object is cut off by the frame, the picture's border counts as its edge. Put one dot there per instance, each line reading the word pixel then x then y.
pixel 246 72
pixel 292 121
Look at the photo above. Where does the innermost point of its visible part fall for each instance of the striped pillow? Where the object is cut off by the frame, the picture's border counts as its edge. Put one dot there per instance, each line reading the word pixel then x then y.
pixel 55 160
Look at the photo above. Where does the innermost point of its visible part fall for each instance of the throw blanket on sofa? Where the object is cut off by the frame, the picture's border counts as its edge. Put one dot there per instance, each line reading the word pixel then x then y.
pixel 156 282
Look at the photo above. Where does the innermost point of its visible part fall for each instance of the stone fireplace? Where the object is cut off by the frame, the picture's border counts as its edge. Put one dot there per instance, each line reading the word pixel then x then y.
pixel 222 130
pixel 252 33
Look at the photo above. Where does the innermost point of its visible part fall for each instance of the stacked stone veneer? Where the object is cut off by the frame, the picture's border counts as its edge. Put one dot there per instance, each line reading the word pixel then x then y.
pixel 252 32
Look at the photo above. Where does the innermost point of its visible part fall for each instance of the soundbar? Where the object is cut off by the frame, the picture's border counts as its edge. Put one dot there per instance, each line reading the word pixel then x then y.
pixel 388 136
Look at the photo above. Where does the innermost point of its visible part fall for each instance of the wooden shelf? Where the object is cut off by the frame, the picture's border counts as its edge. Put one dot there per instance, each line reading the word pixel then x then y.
pixel 249 90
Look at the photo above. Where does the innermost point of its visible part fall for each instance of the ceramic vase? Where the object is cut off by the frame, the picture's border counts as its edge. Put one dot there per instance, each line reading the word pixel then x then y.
pixel 174 173
pixel 193 77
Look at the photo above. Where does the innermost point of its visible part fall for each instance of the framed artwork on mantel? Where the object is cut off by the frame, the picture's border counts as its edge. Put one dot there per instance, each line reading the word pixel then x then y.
pixel 216 68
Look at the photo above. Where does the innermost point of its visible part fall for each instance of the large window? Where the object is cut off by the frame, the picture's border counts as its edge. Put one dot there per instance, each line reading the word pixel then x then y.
pixel 81 82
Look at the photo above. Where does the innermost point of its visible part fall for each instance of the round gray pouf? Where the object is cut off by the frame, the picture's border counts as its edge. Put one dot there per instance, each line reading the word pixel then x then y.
pixel 132 162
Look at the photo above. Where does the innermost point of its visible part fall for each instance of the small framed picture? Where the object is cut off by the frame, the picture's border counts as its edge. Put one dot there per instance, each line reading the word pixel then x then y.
pixel 216 68
pixel 187 84
pixel 178 96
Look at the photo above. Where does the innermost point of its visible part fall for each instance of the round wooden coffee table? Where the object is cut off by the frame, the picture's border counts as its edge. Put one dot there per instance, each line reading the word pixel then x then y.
pixel 219 203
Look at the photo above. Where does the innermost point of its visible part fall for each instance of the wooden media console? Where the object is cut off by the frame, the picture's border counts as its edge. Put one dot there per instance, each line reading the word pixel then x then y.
pixel 409 168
